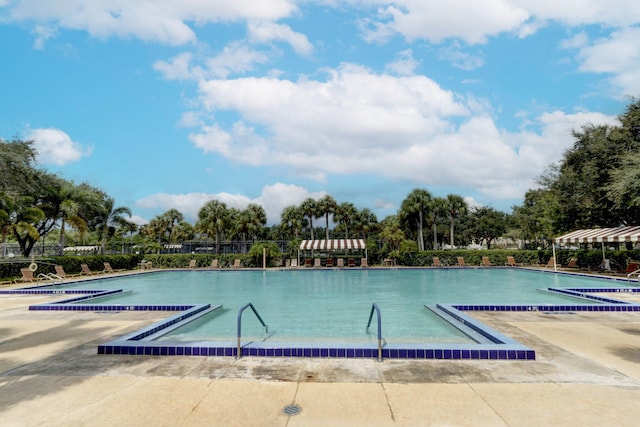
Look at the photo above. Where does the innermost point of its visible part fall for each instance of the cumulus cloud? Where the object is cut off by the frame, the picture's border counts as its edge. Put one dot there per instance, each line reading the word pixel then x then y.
pixel 163 21
pixel 358 122
pixel 55 147
pixel 235 58
pixel 435 21
pixel 265 32
pixel 474 22
pixel 617 55
pixel 404 65
pixel 274 198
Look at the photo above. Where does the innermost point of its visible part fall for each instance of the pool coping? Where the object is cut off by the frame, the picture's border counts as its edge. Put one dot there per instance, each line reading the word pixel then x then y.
pixel 494 346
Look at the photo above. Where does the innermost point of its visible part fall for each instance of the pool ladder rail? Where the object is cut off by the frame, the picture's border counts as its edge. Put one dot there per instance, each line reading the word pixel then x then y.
pixel 375 308
pixel 637 272
pixel 242 309
pixel 51 276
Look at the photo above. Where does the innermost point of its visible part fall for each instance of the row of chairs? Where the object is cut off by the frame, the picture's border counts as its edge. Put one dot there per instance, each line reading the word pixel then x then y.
pixel 340 263
pixel 29 275
pixel 460 262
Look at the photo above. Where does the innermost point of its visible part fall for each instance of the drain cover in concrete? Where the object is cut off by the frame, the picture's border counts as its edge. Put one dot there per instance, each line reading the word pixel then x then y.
pixel 292 409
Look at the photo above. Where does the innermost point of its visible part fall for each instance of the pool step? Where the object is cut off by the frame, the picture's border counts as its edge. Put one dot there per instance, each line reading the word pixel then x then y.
pixel 471 333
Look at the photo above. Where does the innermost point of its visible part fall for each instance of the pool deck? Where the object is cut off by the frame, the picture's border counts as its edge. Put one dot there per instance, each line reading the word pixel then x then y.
pixel 587 372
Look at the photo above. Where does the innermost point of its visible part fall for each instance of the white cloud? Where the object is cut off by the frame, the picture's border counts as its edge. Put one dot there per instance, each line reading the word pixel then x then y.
pixel 435 20
pixel 42 34
pixel 473 21
pixel 404 65
pixel 265 32
pixel 55 147
pixel 459 58
pixel 163 21
pixel 274 198
pixel 617 56
pixel 405 128
pixel 235 58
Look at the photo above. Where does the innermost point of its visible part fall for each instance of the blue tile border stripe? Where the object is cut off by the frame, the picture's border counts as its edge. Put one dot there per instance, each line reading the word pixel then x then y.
pixel 491 345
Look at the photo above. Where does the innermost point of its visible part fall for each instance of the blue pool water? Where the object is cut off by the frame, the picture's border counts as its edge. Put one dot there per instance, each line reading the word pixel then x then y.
pixel 334 305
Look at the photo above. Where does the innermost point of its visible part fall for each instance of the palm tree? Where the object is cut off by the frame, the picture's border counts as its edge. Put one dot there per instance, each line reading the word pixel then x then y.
pixel 456 207
pixel 438 208
pixel 327 205
pixel 212 220
pixel 391 232
pixel 292 219
pixel 414 209
pixel 109 218
pixel 71 198
pixel 309 208
pixel 366 222
pixel 345 216
pixel 170 219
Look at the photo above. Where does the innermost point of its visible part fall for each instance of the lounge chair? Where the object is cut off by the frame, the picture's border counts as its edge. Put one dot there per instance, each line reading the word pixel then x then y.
pixel 294 263
pixel 108 269
pixel 364 263
pixel 329 262
pixel 340 263
pixel 86 270
pixel 27 276
pixel 511 262
pixel 215 263
pixel 460 262
pixel 437 263
pixel 389 262
pixel 573 263
pixel 632 266
pixel 287 263
pixel 317 262
pixel 307 262
pixel 62 274
pixel 351 262
pixel 486 262
pixel 192 264
pixel 551 263
pixel 236 263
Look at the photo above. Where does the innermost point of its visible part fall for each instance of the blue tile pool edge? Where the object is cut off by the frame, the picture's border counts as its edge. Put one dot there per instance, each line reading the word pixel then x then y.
pixel 499 347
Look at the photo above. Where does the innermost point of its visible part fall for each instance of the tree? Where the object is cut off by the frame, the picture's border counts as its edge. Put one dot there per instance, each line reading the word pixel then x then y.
pixel 212 220
pixel 17 159
pixel 292 221
pixel 309 208
pixel 366 223
pixel 414 208
pixel 489 224
pixel 391 233
pixel 593 184
pixel 455 207
pixel 171 219
pixel 109 219
pixel 327 205
pixel 345 215
pixel 437 211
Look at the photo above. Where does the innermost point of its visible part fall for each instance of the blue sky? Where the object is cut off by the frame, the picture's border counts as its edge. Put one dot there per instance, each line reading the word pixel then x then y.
pixel 171 103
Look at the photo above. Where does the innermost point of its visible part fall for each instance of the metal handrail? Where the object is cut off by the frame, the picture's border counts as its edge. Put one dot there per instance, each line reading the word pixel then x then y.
pixel 375 308
pixel 51 276
pixel 242 309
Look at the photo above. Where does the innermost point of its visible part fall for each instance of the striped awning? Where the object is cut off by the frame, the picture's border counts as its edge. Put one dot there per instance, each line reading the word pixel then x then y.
pixel 606 235
pixel 332 245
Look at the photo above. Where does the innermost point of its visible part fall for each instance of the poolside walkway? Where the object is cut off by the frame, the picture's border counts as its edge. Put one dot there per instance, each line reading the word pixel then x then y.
pixel 587 373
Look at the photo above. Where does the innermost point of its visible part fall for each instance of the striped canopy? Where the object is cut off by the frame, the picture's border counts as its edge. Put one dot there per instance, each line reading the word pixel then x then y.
pixel 606 235
pixel 332 245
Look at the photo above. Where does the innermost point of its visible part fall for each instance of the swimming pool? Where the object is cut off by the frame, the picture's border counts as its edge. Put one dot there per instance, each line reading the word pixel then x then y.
pixel 324 312
pixel 333 305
